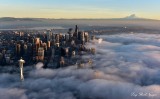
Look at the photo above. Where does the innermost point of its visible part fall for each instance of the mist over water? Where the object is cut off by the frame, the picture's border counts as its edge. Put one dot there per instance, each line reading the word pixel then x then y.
pixel 125 65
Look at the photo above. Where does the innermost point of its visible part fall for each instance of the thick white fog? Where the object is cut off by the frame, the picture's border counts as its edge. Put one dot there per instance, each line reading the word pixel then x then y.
pixel 126 66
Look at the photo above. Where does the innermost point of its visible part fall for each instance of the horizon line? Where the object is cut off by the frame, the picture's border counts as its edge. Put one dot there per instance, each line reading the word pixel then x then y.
pixel 80 18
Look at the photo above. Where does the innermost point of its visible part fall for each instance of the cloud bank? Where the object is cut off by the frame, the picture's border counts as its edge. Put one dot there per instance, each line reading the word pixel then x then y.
pixel 126 66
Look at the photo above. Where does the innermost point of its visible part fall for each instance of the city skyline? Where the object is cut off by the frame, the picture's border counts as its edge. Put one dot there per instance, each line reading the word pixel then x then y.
pixel 79 9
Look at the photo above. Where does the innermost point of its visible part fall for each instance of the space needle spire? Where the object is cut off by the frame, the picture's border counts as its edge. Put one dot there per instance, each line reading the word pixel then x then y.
pixel 21 62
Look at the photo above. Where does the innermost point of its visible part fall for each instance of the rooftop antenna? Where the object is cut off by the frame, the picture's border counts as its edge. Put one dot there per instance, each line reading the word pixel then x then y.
pixel 21 62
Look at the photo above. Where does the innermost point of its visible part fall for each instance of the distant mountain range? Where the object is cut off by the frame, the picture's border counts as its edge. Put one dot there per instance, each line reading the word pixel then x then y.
pixel 27 23
pixel 131 17
pixel 17 19
pixel 134 17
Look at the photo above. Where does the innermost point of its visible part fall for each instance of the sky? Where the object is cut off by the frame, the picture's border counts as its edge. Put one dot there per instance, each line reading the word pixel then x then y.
pixel 79 8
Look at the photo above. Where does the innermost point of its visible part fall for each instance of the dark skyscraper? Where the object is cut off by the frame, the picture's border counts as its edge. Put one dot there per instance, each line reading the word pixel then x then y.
pixel 76 31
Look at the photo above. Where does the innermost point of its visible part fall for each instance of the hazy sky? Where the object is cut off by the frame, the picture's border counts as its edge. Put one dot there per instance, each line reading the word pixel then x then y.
pixel 79 8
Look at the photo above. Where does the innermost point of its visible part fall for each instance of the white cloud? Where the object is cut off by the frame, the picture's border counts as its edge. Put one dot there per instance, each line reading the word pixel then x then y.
pixel 124 64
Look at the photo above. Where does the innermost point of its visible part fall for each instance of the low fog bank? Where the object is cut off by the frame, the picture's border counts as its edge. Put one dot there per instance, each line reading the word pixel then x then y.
pixel 126 66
